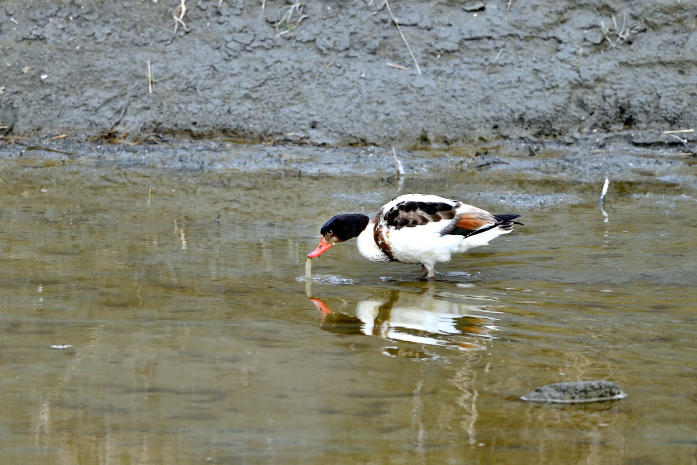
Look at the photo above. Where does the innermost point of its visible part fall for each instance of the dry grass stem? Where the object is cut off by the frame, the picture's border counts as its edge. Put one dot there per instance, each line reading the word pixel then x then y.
pixel 151 78
pixel 398 163
pixel 679 131
pixel 396 23
pixel 400 170
pixel 621 35
pixel 178 15
pixel 291 18
pixel 396 66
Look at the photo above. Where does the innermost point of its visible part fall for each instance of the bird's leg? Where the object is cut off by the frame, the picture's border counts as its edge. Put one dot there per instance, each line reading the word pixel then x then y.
pixel 428 272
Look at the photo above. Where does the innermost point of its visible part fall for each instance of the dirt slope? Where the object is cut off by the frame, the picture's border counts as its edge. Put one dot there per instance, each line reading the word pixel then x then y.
pixel 489 71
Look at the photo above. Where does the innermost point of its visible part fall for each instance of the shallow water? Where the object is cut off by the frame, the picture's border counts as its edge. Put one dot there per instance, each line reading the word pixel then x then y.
pixel 138 329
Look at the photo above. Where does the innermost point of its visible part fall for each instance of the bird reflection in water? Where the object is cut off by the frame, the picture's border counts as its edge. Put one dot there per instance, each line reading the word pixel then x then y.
pixel 418 318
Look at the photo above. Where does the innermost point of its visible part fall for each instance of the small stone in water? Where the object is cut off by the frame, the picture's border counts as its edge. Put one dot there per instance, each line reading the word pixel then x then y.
pixel 576 392
pixel 308 269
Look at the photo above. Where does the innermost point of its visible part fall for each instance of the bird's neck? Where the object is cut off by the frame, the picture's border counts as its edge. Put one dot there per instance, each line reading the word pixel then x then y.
pixel 367 246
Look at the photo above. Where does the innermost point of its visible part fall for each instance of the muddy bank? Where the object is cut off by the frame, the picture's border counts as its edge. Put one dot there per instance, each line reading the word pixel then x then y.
pixel 342 74
pixel 571 171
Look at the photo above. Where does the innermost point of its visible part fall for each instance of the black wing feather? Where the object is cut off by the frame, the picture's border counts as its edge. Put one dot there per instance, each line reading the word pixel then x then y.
pixel 409 214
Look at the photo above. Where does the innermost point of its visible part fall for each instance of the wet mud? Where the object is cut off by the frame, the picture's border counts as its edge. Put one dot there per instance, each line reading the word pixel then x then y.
pixel 340 73
pixel 560 172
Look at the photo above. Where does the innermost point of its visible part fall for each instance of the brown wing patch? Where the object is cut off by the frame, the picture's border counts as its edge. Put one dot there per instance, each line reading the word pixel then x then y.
pixel 474 221
pixel 381 239
pixel 411 214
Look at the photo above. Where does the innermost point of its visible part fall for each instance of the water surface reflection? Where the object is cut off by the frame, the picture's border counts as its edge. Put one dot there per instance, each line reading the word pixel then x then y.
pixel 421 319
pixel 191 340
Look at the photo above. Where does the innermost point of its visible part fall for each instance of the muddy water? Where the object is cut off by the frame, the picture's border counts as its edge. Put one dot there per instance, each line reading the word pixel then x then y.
pixel 137 328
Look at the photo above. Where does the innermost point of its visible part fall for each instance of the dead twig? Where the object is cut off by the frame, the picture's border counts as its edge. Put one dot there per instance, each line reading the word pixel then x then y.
pixel 604 192
pixel 398 164
pixel 497 56
pixel 602 199
pixel 399 174
pixel 396 23
pixel 494 162
pixel 396 66
pixel 12 140
pixel 41 148
pixel 123 113
pixel 683 142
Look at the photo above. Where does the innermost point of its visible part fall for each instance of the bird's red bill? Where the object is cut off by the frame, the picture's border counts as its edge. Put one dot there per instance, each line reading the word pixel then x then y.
pixel 321 248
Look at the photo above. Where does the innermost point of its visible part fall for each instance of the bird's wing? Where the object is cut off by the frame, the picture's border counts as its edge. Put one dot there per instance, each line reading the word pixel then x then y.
pixel 411 213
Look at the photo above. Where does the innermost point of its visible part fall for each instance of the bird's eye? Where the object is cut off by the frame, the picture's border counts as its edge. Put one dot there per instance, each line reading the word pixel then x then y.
pixel 330 232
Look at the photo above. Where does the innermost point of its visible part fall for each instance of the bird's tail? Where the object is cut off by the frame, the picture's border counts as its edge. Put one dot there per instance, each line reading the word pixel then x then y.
pixel 506 222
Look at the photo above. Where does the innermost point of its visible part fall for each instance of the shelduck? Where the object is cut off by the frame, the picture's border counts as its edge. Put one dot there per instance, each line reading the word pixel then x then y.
pixel 416 228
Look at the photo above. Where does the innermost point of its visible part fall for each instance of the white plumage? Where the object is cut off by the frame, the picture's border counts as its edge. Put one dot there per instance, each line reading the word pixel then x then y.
pixel 417 228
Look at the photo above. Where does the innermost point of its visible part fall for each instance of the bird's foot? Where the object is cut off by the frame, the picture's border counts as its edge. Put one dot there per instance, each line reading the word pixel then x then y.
pixel 428 272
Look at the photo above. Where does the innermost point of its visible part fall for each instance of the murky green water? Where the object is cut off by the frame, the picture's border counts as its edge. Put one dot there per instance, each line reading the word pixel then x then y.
pixel 193 341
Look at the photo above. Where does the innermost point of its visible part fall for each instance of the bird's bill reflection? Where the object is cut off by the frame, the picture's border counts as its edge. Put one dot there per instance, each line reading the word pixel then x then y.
pixel 322 307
